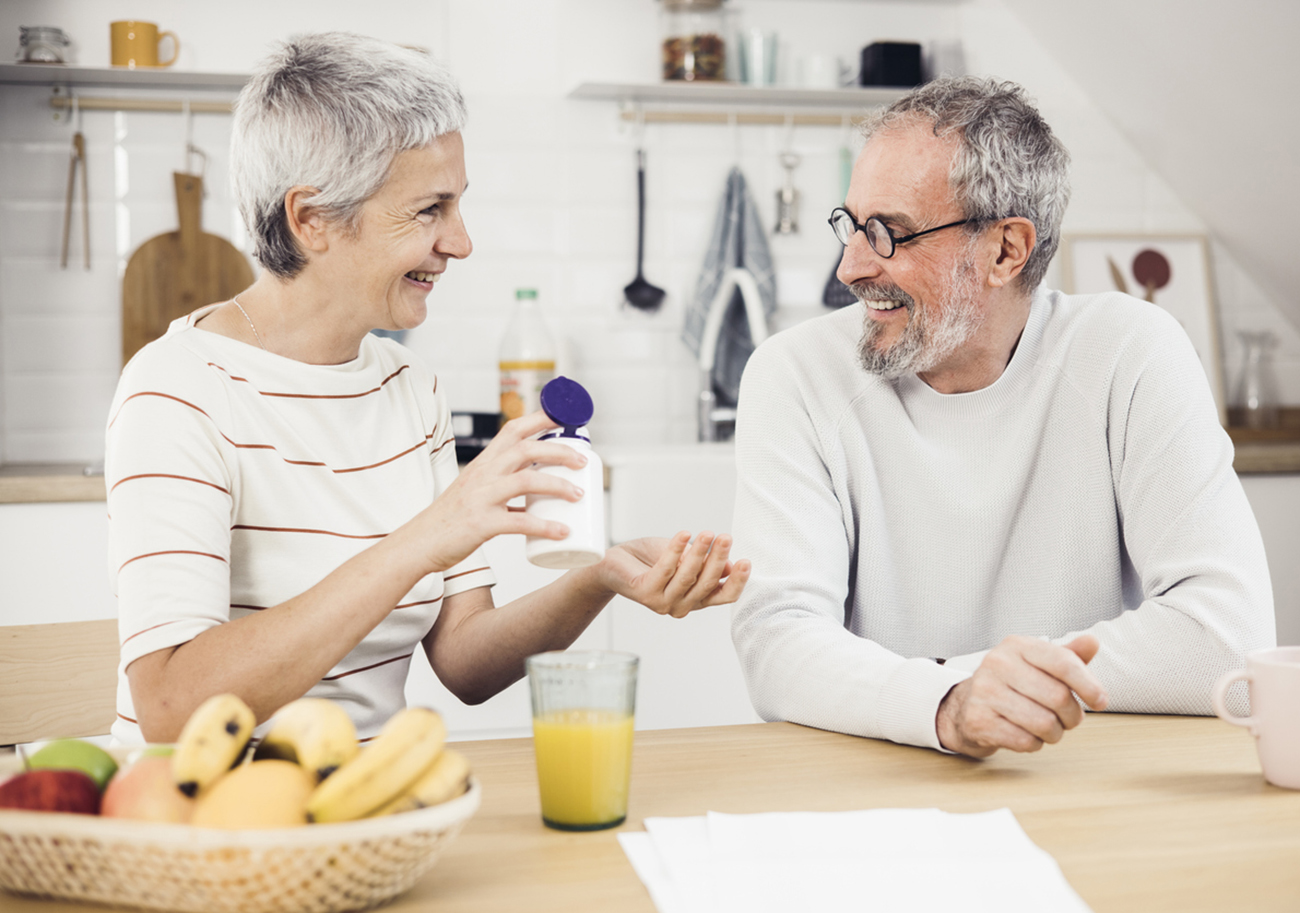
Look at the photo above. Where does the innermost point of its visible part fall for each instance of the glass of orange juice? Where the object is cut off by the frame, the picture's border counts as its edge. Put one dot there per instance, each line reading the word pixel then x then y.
pixel 583 705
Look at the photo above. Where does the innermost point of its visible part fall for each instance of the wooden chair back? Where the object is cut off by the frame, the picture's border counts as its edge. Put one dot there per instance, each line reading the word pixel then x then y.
pixel 57 680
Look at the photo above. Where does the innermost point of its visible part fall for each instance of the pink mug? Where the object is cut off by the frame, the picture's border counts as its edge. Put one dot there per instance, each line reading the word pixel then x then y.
pixel 1274 721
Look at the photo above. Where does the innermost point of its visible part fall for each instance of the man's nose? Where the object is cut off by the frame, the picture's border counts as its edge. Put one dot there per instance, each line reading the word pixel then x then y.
pixel 859 261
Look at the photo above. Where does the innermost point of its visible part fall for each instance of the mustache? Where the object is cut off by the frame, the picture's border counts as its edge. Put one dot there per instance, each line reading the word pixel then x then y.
pixel 868 291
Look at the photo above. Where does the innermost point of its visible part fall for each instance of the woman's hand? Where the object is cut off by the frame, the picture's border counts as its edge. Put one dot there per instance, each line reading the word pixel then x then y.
pixel 474 508
pixel 675 576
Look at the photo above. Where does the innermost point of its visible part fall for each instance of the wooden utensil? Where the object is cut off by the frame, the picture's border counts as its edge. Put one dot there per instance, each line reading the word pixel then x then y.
pixel 173 273
pixel 77 164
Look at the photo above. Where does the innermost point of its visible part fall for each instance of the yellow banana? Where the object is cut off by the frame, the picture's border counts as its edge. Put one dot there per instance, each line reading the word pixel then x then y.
pixel 314 733
pixel 445 779
pixel 212 741
pixel 386 768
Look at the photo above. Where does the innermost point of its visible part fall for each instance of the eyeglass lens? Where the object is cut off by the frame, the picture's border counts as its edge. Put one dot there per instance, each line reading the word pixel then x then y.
pixel 878 236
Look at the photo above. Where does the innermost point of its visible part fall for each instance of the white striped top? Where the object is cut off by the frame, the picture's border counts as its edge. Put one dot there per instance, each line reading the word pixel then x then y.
pixel 238 479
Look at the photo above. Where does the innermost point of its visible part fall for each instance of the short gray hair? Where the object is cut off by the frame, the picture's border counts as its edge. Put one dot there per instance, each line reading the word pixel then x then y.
pixel 330 111
pixel 1008 161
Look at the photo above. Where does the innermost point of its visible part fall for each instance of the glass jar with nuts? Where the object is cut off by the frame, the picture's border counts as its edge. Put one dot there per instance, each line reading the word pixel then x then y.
pixel 693 45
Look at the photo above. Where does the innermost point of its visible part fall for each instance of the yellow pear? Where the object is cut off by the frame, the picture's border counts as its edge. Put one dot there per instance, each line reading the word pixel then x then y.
pixel 260 794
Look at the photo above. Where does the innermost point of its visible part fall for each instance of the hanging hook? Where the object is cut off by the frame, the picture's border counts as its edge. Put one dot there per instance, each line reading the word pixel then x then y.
pixel 191 150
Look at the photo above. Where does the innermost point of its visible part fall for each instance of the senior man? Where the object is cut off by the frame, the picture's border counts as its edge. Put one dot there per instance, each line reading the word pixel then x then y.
pixel 969 499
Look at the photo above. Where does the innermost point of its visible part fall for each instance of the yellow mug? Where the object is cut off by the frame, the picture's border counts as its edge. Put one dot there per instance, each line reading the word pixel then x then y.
pixel 135 44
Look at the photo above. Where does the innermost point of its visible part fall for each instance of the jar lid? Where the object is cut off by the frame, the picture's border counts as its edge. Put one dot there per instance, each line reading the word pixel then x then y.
pixel 566 403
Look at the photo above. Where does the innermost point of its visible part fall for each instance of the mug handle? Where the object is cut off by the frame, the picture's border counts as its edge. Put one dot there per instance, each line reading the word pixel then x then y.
pixel 1220 694
pixel 176 48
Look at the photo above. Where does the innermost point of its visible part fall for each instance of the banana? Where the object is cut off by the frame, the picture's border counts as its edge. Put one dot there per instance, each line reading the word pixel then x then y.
pixel 445 779
pixel 213 741
pixel 386 768
pixel 314 733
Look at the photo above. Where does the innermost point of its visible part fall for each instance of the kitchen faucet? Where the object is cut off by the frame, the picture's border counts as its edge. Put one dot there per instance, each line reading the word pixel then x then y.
pixel 710 416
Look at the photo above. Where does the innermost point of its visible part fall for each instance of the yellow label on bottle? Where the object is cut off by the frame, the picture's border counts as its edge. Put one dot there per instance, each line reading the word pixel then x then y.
pixel 521 386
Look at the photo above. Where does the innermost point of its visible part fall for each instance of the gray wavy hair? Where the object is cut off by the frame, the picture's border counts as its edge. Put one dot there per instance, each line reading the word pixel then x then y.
pixel 330 111
pixel 1008 161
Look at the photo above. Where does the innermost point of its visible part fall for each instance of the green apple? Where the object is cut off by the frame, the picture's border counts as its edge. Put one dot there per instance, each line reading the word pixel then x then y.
pixel 74 754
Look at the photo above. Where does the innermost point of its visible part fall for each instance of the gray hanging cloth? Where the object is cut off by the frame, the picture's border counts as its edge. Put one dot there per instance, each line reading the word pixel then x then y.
pixel 737 240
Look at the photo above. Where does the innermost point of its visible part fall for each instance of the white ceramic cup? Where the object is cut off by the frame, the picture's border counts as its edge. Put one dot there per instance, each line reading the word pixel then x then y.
pixel 1274 721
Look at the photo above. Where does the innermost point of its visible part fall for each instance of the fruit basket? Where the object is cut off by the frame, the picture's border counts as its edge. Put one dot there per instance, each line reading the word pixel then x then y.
pixel 176 867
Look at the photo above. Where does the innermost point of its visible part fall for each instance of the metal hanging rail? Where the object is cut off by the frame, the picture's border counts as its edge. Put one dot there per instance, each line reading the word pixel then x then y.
pixel 93 103
pixel 738 117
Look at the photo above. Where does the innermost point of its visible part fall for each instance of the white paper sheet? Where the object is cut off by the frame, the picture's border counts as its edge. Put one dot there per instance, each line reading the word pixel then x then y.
pixel 875 859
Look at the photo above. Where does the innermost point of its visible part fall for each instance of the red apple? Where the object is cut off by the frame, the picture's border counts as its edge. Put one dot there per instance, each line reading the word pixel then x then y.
pixel 146 791
pixel 51 791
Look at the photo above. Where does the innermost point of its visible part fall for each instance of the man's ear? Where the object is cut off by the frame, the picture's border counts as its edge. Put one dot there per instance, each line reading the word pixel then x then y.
pixel 1016 240
pixel 306 223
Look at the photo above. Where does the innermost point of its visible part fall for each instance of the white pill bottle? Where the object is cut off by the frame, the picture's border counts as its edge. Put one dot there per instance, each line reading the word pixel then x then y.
pixel 569 406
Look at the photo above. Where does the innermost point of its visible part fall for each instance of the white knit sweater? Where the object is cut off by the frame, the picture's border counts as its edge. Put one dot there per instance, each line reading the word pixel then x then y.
pixel 237 479
pixel 1090 488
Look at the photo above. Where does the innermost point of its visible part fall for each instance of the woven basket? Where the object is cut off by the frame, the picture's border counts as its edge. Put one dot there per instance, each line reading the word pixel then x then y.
pixel 319 868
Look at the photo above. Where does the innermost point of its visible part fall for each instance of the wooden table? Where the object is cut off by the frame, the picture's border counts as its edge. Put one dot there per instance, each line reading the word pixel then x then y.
pixel 1143 813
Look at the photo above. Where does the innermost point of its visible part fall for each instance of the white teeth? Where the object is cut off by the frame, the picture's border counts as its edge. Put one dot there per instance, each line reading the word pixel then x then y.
pixel 883 305
pixel 423 277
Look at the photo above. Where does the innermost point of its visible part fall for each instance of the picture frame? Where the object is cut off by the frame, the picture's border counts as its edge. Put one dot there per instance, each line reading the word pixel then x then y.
pixel 1171 270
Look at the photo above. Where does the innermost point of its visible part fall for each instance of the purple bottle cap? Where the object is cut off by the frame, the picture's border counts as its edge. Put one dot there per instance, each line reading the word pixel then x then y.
pixel 566 403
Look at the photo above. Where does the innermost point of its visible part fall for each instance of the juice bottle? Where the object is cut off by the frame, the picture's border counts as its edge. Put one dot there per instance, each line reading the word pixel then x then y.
pixel 526 359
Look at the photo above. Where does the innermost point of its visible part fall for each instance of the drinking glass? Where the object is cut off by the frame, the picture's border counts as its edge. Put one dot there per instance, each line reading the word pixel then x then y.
pixel 583 707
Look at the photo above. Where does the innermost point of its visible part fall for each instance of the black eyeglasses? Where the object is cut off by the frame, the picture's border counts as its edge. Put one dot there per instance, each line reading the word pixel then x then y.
pixel 882 240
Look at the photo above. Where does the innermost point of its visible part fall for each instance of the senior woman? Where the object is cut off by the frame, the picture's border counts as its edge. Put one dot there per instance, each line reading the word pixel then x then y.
pixel 286 514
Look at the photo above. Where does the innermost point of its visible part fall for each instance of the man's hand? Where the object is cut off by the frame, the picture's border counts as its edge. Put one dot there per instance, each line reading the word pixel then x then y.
pixel 1021 696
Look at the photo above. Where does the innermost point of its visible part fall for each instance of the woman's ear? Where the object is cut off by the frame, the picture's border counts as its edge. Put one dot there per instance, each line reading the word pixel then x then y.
pixel 1016 242
pixel 306 223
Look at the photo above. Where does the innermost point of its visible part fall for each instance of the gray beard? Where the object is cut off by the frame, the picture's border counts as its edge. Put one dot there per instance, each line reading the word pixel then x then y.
pixel 930 336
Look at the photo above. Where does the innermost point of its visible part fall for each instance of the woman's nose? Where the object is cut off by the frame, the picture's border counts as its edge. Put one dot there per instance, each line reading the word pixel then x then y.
pixel 454 242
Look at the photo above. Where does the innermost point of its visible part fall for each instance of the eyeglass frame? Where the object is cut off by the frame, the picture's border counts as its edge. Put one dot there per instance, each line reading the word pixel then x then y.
pixel 894 241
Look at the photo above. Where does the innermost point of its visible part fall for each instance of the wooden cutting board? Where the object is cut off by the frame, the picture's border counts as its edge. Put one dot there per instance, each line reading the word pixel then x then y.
pixel 173 273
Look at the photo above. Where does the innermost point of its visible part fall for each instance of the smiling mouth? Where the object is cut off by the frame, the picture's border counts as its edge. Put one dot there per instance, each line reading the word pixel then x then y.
pixel 882 305
pixel 420 276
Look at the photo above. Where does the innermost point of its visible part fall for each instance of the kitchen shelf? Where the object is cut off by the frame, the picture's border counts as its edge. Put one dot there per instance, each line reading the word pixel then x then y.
pixel 724 102
pixel 46 74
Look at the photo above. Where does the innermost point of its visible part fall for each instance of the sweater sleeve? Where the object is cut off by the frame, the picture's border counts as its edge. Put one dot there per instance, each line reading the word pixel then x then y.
pixel 1196 551
pixel 800 661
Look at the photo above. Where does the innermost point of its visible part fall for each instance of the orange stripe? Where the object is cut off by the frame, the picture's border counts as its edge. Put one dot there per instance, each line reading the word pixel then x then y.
pixel 128 719
pixel 251 608
pixel 272 447
pixel 463 573
pixel 382 462
pixel 179 551
pixel 167 475
pixel 331 678
pixel 313 395
pixel 155 393
pixel 407 605
pixel 138 633
pixel 319 532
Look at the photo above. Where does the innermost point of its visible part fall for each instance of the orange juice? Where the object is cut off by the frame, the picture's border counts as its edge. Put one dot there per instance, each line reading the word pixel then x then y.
pixel 584 761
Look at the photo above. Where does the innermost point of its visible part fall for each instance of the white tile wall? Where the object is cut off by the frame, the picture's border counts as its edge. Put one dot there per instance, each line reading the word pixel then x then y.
pixel 552 198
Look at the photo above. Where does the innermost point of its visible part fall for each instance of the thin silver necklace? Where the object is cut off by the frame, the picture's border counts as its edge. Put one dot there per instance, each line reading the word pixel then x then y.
pixel 253 326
